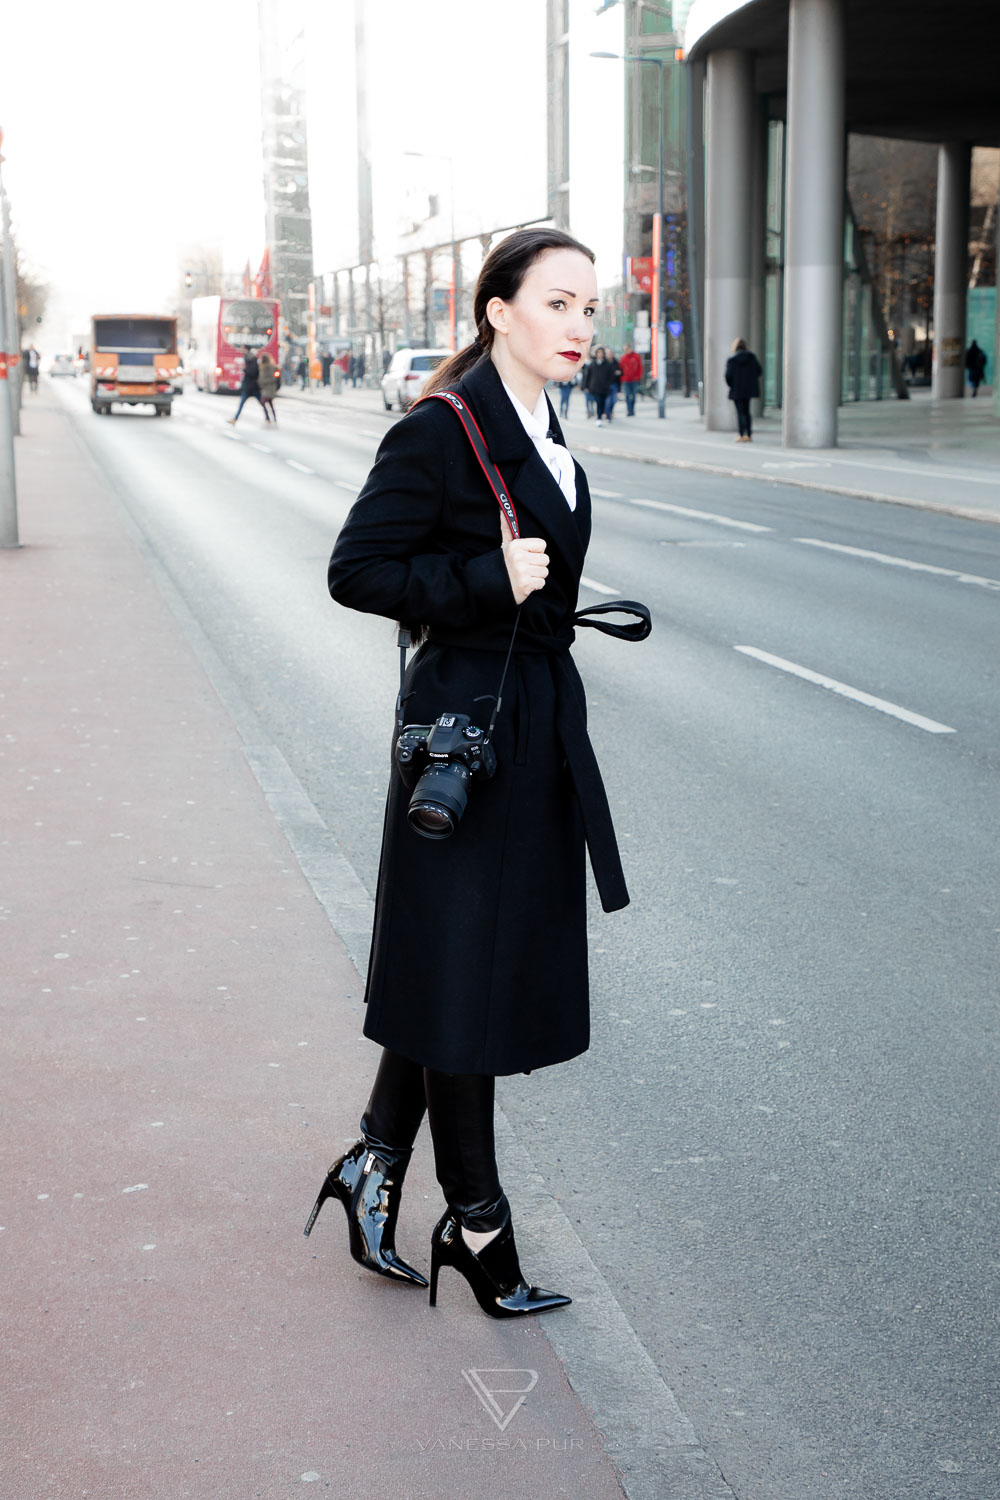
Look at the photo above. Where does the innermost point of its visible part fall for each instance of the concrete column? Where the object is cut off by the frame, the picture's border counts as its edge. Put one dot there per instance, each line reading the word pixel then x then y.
pixel 758 242
pixel 729 123
pixel 814 224
pixel 951 269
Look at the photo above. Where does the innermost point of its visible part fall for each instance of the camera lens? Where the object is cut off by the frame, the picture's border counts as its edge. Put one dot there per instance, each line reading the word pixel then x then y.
pixel 438 801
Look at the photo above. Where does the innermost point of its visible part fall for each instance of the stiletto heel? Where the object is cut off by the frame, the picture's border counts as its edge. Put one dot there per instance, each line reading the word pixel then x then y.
pixel 340 1182
pixel 369 1187
pixel 494 1274
pixel 326 1191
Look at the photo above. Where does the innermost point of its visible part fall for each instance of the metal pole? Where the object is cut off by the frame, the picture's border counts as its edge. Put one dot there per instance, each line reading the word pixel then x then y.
pixel 10 295
pixel 661 337
pixel 8 485
pixel 693 232
pixel 454 263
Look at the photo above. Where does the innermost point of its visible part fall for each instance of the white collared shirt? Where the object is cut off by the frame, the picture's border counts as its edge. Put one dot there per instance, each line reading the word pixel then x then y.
pixel 558 460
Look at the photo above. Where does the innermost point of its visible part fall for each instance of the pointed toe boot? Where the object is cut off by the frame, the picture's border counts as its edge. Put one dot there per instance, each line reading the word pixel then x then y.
pixel 494 1274
pixel 369 1186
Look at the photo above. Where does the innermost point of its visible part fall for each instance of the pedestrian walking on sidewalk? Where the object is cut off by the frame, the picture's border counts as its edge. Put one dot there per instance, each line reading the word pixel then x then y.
pixel 479 953
pixel 631 375
pixel 600 380
pixel 251 385
pixel 32 364
pixel 565 391
pixel 616 380
pixel 268 384
pixel 743 374
pixel 590 400
pixel 975 363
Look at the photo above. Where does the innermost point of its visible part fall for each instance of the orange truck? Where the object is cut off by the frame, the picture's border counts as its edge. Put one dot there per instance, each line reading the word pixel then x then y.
pixel 134 361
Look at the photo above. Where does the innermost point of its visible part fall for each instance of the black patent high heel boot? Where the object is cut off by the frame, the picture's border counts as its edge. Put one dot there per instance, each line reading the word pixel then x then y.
pixel 494 1274
pixel 369 1187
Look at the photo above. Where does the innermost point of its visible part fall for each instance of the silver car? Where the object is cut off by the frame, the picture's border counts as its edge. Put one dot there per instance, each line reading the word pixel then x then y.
pixel 404 381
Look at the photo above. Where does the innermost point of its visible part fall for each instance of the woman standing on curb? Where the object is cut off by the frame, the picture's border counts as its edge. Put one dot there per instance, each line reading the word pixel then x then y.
pixel 479 954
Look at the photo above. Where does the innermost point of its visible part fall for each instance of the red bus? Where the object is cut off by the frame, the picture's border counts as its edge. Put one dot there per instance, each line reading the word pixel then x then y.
pixel 222 329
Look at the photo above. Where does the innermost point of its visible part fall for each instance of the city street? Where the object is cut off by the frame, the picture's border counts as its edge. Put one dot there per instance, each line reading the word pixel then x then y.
pixel 781 1149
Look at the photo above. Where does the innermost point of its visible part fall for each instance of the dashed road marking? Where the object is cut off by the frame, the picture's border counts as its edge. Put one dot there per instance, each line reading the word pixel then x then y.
pixel 699 515
pixel 293 463
pixel 888 560
pixel 881 704
pixel 599 588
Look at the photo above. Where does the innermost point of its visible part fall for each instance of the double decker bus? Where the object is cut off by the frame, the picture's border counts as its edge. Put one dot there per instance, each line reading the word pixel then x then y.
pixel 133 361
pixel 222 330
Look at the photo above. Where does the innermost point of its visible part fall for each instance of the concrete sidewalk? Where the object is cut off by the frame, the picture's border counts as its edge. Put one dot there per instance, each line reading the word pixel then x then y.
pixel 183 1058
pixel 942 456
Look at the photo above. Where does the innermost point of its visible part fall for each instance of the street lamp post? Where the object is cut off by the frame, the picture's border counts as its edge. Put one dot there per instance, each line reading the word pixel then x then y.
pixel 659 308
pixel 8 335
pixel 453 290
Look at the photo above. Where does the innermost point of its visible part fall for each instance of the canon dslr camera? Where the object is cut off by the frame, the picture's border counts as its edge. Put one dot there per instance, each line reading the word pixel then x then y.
pixel 446 756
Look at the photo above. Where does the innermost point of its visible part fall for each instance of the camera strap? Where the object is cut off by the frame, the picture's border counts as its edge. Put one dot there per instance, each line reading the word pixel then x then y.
pixel 496 483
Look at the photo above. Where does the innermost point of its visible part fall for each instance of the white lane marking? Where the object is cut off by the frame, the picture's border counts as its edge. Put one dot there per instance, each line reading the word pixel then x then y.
pixel 262 448
pixel 342 484
pixel 901 562
pixel 606 494
pixel 234 435
pixel 599 588
pixel 364 432
pixel 293 463
pixel 699 515
pixel 883 706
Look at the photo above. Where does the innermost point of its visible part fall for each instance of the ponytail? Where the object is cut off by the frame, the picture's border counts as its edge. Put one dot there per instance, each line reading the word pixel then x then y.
pixel 451 370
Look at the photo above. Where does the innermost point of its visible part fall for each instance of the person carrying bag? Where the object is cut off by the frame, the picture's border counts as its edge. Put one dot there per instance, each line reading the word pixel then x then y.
pixel 471 532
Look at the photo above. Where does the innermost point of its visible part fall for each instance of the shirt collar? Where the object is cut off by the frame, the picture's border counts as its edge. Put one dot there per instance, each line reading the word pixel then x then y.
pixel 535 423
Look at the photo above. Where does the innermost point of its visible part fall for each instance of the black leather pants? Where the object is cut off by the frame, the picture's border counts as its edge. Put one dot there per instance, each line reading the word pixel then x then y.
pixel 460 1114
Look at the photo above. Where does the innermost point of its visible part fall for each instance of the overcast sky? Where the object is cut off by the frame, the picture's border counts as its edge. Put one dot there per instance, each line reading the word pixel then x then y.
pixel 132 131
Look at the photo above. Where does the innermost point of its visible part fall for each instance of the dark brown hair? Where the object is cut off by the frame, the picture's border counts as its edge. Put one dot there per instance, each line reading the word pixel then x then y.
pixel 503 271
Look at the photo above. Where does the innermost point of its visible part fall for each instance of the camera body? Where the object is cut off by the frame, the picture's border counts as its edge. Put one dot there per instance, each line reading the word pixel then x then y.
pixel 445 757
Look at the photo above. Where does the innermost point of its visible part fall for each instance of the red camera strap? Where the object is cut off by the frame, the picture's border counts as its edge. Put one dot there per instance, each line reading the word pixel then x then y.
pixel 493 476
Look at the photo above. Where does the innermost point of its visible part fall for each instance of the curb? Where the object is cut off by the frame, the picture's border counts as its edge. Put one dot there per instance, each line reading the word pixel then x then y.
pixel 965 513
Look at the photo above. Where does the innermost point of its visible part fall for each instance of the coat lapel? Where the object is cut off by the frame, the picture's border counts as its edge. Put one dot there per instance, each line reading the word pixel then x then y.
pixel 533 487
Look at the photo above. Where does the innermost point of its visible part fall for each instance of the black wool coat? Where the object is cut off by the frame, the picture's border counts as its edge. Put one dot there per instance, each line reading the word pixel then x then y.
pixel 743 376
pixel 479 952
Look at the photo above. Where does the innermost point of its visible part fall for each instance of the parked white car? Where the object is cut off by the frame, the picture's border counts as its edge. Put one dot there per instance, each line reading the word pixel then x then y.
pixel 409 372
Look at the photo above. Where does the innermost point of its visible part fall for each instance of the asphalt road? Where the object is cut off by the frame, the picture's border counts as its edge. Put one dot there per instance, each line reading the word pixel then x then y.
pixel 781 1149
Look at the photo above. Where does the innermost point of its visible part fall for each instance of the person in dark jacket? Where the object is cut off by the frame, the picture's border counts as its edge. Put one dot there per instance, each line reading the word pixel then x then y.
pixel 600 381
pixel 743 374
pixel 975 363
pixel 479 952
pixel 250 386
